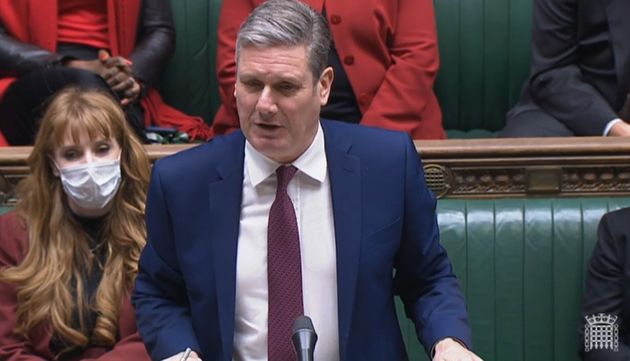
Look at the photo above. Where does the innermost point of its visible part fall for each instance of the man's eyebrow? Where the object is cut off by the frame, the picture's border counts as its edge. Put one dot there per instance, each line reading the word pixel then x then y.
pixel 284 78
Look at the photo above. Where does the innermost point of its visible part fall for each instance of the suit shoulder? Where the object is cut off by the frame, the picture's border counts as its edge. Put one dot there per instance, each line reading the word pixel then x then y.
pixel 360 129
pixel 617 219
pixel 367 137
pixel 204 156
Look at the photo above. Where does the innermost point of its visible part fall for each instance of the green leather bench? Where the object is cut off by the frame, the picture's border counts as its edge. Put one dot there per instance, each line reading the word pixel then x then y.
pixel 189 81
pixel 484 53
pixel 521 265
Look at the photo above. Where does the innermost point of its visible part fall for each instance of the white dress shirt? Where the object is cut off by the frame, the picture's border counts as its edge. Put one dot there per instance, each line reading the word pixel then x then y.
pixel 309 191
pixel 610 124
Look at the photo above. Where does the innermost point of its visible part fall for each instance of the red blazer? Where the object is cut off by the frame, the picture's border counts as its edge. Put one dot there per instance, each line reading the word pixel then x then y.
pixel 33 22
pixel 388 49
pixel 13 248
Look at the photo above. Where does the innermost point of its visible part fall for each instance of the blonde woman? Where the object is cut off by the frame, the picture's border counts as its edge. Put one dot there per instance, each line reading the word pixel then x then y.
pixel 69 252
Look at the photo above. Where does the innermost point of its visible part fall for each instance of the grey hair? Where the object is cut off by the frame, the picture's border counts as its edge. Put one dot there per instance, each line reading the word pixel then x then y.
pixel 288 23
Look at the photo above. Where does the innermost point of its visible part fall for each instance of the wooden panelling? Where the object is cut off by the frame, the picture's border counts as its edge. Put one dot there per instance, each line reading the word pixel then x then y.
pixel 526 167
pixel 470 168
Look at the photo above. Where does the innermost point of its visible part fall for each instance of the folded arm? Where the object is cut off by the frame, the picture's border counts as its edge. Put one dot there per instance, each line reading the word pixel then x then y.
pixel 18 58
pixel 155 41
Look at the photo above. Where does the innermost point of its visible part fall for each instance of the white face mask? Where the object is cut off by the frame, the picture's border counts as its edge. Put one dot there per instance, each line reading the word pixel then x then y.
pixel 92 185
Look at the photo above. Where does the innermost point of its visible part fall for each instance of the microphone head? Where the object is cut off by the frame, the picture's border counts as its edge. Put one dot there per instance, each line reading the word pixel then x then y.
pixel 303 323
pixel 304 338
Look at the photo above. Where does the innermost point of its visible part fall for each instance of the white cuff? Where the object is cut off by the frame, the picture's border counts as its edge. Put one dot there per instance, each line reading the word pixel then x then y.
pixel 610 125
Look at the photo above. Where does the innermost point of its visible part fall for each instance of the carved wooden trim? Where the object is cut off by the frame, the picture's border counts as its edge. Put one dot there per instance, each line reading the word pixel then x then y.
pixel 468 168
pixel 526 167
pixel 12 169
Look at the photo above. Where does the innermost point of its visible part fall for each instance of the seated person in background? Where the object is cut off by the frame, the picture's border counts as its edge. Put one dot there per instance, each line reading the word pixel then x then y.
pixel 384 54
pixel 46 45
pixel 580 71
pixel 607 289
pixel 69 253
pixel 227 269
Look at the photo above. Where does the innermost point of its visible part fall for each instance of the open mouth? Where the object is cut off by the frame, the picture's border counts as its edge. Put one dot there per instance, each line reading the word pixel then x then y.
pixel 267 126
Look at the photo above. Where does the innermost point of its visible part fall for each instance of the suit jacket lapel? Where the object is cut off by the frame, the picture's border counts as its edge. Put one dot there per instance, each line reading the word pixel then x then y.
pixel 225 209
pixel 619 27
pixel 345 182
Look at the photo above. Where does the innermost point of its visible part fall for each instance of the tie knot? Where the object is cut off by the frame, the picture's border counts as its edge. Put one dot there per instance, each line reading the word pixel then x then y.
pixel 285 174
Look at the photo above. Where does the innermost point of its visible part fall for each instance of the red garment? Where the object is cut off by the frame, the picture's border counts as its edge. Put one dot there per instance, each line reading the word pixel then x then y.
pixel 388 49
pixel 83 22
pixel 30 21
pixel 13 249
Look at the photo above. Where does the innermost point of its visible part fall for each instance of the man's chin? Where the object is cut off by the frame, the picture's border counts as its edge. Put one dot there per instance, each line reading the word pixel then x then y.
pixel 268 146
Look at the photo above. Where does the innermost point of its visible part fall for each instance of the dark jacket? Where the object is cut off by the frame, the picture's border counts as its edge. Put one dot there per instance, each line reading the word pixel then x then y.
pixel 607 288
pixel 580 71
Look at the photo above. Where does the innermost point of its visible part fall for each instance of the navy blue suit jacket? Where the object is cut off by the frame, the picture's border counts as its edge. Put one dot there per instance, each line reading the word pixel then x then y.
pixel 386 234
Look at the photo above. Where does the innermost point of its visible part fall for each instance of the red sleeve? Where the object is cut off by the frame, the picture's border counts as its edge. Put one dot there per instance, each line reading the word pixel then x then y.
pixel 233 13
pixel 405 100
pixel 13 247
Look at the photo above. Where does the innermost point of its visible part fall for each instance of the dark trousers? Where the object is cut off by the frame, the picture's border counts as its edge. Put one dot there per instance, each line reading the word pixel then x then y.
pixel 24 102
pixel 533 123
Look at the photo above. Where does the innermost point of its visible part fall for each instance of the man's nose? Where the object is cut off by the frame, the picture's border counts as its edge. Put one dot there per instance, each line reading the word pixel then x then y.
pixel 266 104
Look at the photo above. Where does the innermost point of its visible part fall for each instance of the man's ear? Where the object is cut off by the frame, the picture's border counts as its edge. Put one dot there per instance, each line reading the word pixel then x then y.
pixel 325 84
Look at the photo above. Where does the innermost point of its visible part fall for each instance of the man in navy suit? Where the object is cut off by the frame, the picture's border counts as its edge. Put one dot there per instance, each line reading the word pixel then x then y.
pixel 364 217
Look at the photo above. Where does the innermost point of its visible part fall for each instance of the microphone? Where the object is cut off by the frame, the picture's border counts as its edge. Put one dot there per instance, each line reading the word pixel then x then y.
pixel 304 338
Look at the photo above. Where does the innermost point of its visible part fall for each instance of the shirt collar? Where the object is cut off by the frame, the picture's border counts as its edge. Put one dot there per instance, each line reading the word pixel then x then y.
pixel 312 162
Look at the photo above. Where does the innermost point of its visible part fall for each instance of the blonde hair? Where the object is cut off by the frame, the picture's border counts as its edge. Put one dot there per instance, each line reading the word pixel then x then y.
pixel 58 246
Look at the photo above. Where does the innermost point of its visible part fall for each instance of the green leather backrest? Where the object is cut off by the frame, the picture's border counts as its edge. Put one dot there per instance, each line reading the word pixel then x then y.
pixel 484 53
pixel 485 56
pixel 521 265
pixel 189 81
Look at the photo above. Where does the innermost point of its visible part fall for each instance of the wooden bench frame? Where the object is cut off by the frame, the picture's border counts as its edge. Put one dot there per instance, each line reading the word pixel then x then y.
pixel 468 168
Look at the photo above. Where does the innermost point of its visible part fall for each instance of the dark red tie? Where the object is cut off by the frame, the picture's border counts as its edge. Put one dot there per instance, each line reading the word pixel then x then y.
pixel 284 271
